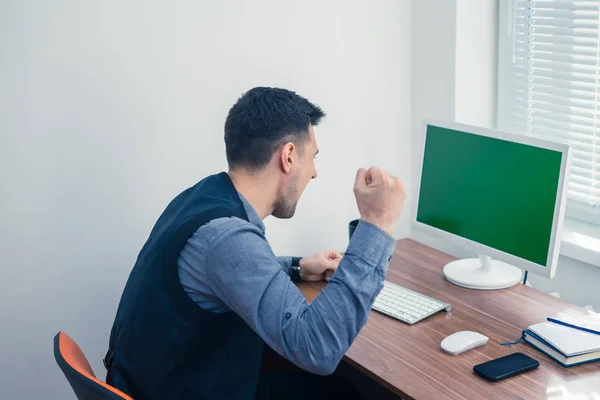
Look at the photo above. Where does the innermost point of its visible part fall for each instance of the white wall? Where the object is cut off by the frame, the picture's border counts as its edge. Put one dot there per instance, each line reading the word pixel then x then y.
pixel 433 72
pixel 454 72
pixel 109 109
pixel 475 61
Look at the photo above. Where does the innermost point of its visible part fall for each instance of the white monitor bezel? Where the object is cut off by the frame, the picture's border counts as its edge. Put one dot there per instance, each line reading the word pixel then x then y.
pixel 548 270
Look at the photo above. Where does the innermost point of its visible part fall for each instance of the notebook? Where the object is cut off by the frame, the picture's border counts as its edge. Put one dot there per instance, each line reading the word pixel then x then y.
pixel 589 322
pixel 566 345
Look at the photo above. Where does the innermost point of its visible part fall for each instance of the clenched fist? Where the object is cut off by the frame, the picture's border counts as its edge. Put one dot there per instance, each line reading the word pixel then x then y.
pixel 380 197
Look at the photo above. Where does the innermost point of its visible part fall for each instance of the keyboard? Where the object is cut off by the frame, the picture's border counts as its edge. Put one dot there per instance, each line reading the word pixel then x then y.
pixel 406 305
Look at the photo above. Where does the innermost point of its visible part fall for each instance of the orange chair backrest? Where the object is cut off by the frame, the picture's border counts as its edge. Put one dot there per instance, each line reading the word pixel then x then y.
pixel 73 356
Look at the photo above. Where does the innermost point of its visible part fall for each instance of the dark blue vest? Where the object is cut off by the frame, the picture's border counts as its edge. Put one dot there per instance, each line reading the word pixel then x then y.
pixel 162 344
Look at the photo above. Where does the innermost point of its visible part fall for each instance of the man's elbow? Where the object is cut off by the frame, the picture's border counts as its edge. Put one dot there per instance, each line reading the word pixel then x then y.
pixel 325 369
pixel 323 365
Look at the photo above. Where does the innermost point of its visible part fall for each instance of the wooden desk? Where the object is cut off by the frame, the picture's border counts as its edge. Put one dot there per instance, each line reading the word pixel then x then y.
pixel 408 359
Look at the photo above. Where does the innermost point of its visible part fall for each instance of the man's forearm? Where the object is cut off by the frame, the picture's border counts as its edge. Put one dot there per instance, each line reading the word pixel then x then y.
pixel 320 335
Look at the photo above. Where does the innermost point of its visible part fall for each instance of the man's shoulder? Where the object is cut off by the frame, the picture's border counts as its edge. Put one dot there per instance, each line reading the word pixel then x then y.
pixel 224 227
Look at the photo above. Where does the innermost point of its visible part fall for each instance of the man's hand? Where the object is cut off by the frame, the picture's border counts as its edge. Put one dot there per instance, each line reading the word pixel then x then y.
pixel 380 197
pixel 320 266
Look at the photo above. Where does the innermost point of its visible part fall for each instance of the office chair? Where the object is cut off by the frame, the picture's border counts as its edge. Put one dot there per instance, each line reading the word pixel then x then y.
pixel 80 375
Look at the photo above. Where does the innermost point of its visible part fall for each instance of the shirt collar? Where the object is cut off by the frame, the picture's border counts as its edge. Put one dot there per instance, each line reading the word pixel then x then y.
pixel 253 216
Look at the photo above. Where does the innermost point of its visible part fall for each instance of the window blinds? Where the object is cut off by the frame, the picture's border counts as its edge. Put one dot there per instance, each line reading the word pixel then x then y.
pixel 549 83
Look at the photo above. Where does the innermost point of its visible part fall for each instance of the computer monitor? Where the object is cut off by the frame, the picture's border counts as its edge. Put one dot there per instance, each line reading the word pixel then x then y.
pixel 499 195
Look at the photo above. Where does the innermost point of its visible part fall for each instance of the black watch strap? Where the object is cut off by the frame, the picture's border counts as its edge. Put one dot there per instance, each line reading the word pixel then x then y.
pixel 295 270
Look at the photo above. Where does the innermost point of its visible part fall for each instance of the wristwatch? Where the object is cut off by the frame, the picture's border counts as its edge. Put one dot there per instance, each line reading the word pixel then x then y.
pixel 295 270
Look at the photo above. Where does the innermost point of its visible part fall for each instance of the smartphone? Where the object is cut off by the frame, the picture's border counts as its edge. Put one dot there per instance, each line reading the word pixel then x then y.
pixel 505 367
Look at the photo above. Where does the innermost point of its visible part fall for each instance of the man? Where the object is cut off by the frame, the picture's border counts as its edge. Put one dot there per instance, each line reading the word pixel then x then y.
pixel 207 291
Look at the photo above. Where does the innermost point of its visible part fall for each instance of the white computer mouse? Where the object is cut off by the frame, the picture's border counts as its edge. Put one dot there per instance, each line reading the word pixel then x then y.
pixel 460 342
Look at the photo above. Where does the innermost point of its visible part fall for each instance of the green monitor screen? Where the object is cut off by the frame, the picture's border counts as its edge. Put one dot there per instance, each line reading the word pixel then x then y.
pixel 495 192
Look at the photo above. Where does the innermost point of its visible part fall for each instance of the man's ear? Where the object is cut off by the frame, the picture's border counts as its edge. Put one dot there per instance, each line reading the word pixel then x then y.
pixel 288 157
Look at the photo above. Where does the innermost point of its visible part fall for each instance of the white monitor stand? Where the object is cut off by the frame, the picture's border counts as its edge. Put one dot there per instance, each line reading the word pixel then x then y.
pixel 482 273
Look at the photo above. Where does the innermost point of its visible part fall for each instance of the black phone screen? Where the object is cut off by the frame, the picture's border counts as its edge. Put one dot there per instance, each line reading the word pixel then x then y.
pixel 507 366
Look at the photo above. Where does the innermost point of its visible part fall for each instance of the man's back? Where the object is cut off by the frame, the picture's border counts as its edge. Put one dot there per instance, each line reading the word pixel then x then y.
pixel 162 344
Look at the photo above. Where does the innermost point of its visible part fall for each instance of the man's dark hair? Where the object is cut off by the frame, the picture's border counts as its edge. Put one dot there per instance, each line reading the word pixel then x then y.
pixel 261 120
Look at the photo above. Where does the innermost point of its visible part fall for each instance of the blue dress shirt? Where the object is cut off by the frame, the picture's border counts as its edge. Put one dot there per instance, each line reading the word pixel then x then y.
pixel 228 265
